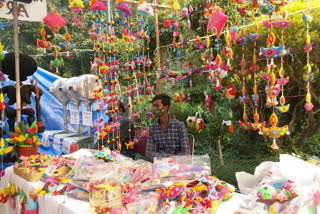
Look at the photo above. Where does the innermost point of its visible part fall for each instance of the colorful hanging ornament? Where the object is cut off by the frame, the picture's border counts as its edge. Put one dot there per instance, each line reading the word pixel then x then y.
pixel 54 21
pixel 218 70
pixel 56 63
pixel 282 80
pixel 124 9
pixel 243 73
pixel 308 75
pixel 230 92
pixel 43 43
pixel 1 52
pixel 98 9
pixel 67 46
pixel 256 125
pixel 217 21
pixel 76 6
pixel 274 132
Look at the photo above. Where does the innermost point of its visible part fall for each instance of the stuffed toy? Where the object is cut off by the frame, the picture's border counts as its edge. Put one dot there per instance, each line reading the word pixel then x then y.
pixel 28 67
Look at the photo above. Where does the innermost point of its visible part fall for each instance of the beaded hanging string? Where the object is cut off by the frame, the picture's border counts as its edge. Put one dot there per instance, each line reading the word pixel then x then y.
pixel 308 75
pixel 256 125
pixel 242 74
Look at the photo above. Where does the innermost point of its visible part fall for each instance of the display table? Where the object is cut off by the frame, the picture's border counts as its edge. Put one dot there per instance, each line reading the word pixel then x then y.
pixel 47 204
pixel 65 205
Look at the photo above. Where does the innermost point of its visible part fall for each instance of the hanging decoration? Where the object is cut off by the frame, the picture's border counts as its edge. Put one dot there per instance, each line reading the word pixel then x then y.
pixel 1 52
pixel 43 43
pixel 67 46
pixel 76 6
pixel 308 75
pixel 274 86
pixel 54 21
pixel 56 63
pixel 256 125
pixel 217 20
pixel 282 80
pixel 243 73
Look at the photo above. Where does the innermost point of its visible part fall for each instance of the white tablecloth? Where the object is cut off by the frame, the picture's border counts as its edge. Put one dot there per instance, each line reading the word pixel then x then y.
pixel 47 204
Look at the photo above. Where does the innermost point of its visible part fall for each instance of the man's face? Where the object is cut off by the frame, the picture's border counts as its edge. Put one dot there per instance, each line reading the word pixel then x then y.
pixel 111 109
pixel 158 105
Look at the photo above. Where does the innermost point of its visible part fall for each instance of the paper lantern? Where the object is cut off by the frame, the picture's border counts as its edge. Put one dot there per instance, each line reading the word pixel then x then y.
pixel 54 21
pixel 217 21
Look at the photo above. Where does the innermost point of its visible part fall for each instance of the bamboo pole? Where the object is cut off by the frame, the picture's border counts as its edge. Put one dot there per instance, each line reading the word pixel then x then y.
pixel 156 17
pixel 17 60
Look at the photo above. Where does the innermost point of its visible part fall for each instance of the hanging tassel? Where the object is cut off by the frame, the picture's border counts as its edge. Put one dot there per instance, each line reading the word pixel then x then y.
pixel 274 145
pixel 260 132
pixel 288 132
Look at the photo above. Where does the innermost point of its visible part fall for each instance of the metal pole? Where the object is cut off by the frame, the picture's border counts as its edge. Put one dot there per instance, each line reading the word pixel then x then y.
pixel 156 16
pixel 17 61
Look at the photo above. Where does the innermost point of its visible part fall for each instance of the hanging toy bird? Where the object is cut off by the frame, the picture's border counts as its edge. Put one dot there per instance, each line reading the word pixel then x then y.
pixel 43 43
pixel 230 92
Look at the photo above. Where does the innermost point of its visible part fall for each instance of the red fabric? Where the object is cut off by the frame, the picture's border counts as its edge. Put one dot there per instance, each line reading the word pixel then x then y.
pixel 141 145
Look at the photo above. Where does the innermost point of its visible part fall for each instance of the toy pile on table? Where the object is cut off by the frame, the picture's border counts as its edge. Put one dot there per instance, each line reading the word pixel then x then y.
pixel 33 164
pixel 123 185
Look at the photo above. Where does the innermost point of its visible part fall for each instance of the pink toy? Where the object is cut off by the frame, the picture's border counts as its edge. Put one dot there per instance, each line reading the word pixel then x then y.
pixel 217 20
pixel 54 21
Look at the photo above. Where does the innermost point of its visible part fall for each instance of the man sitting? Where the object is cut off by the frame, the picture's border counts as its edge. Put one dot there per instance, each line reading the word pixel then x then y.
pixel 168 136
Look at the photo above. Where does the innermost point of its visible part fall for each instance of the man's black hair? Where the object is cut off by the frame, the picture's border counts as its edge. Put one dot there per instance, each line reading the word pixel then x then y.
pixel 121 106
pixel 165 99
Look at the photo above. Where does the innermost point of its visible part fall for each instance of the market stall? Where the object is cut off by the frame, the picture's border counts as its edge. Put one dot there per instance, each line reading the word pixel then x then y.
pixel 98 140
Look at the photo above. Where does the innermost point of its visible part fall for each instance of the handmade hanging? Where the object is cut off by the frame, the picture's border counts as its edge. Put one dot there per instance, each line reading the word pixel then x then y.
pixel 195 123
pixel 243 73
pixel 256 125
pixel 3 150
pixel 167 20
pixel 274 132
pixel 76 6
pixel 98 9
pixel 146 8
pixel 228 53
pixel 217 21
pixel 272 7
pixel 308 75
pixel 43 43
pixel 54 21
pixel 56 63
pixel 230 92
pixel 124 9
pixel 282 80
pixel 273 87
pixel 1 52
pixel 218 70
pixel 67 46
